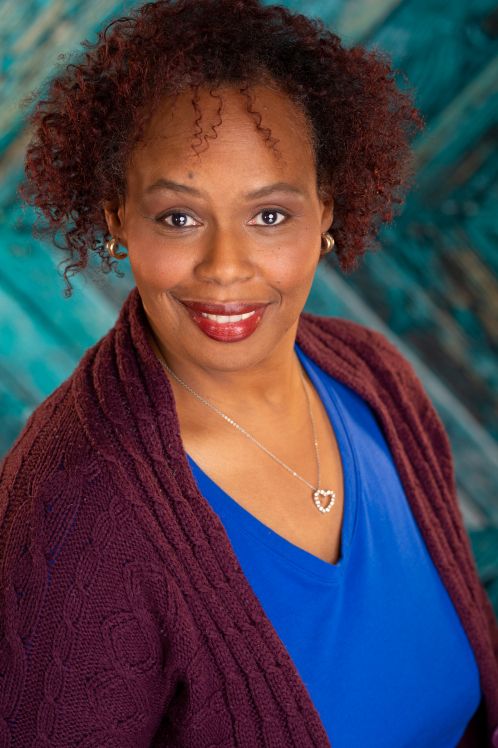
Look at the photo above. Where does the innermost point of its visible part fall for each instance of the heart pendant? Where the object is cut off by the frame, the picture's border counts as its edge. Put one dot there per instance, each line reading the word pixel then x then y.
pixel 316 497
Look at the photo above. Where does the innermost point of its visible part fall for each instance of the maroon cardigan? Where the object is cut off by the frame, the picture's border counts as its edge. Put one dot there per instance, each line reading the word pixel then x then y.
pixel 126 619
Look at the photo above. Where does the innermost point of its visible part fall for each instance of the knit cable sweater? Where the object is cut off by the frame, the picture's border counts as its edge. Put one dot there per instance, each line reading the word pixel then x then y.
pixel 126 619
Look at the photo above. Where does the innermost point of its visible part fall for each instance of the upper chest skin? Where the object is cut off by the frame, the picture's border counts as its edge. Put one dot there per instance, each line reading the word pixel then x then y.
pixel 257 482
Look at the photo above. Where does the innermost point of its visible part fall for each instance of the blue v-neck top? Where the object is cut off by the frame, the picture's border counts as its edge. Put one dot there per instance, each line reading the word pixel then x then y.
pixel 375 637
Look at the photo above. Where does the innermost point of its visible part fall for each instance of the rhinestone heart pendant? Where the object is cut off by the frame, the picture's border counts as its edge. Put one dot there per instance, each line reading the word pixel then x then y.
pixel 319 505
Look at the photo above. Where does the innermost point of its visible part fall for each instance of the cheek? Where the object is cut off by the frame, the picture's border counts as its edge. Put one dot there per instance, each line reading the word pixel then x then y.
pixel 295 267
pixel 156 265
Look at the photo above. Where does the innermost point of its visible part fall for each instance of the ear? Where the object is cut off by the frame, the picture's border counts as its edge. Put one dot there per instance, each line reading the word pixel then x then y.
pixel 115 216
pixel 326 206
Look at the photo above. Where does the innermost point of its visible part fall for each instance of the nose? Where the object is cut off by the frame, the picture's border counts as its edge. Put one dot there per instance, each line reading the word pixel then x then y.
pixel 225 259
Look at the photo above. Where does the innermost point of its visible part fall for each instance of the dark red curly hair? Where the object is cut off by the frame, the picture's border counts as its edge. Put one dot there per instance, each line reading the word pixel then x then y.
pixel 94 112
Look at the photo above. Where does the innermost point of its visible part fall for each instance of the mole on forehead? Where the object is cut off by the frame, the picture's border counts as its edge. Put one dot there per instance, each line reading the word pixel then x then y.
pixel 191 176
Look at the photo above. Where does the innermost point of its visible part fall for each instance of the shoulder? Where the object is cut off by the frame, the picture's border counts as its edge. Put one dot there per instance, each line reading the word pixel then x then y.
pixel 65 522
pixel 369 363
pixel 333 335
pixel 53 435
pixel 44 479
pixel 47 480
pixel 75 458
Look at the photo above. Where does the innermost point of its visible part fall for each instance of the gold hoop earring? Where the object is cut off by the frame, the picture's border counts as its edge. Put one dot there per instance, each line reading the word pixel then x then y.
pixel 329 243
pixel 111 248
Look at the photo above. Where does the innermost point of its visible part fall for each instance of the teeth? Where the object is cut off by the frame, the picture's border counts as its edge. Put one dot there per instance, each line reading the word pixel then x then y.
pixel 223 319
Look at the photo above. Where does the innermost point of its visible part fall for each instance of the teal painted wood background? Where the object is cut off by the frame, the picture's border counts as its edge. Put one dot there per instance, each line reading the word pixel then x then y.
pixel 433 289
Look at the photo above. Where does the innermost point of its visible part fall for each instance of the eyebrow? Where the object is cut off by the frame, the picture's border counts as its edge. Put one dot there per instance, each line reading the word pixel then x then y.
pixel 168 184
pixel 277 187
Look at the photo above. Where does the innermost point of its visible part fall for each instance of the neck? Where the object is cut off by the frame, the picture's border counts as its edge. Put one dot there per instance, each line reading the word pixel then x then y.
pixel 272 384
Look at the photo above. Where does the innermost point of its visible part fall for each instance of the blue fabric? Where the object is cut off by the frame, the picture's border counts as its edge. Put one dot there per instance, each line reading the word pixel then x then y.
pixel 375 637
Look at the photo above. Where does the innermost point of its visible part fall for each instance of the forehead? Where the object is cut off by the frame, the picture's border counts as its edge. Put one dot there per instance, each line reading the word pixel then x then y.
pixel 217 130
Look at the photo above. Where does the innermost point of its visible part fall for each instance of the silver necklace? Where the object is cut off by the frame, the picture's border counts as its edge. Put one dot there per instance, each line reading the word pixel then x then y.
pixel 317 492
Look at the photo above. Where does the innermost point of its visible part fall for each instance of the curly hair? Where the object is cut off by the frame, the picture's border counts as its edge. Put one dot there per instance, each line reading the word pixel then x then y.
pixel 94 112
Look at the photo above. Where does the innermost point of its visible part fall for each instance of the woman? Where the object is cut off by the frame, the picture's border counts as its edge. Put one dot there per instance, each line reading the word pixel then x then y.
pixel 235 524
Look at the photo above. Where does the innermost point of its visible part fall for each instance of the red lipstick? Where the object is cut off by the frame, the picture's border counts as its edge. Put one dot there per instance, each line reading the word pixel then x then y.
pixel 216 320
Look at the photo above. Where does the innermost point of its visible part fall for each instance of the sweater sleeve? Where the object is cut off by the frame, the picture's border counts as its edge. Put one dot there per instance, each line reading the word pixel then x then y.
pixel 81 646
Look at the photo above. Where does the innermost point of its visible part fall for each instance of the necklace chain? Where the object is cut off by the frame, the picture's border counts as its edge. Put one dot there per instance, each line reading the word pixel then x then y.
pixel 317 491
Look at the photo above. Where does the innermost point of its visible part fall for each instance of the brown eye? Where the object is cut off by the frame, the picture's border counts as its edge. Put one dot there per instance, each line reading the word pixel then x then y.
pixel 179 220
pixel 270 218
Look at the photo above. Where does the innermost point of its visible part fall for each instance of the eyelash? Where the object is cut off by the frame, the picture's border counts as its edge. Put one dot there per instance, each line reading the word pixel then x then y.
pixel 265 210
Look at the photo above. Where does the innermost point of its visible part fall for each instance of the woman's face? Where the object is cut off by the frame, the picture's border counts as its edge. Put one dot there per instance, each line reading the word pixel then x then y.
pixel 232 232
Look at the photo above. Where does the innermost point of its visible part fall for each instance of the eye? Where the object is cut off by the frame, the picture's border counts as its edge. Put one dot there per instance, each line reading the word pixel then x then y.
pixel 179 220
pixel 269 217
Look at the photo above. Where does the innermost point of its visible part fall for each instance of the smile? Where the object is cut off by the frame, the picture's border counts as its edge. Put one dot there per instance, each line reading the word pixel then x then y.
pixel 226 323
pixel 223 319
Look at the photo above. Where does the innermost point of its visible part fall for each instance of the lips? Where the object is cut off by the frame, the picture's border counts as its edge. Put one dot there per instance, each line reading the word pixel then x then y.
pixel 227 323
